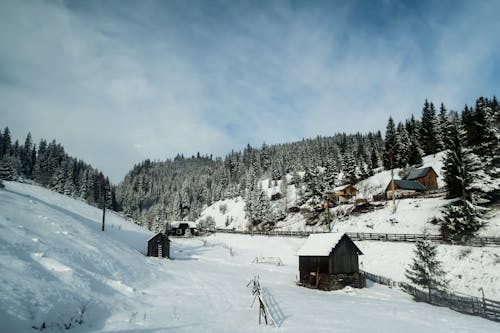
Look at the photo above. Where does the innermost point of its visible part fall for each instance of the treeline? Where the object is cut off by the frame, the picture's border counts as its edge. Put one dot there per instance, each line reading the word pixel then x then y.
pixel 180 188
pixel 471 167
pixel 50 166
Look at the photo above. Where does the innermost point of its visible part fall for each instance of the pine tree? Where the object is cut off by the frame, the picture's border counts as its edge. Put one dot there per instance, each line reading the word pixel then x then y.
pixel 426 270
pixel 26 158
pixel 6 143
pixel 390 146
pixel 403 146
pixel 465 178
pixel 443 123
pixel 429 133
pixel 6 168
pixel 414 152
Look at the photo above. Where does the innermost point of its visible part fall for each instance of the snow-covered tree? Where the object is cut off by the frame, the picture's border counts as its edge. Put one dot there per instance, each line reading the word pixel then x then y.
pixel 429 131
pixel 426 270
pixel 466 179
pixel 389 158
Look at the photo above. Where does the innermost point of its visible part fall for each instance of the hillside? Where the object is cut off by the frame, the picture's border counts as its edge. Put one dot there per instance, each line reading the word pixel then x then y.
pixel 55 262
pixel 411 215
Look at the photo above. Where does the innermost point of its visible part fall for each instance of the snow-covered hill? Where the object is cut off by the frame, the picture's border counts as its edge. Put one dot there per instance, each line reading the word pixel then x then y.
pixel 411 215
pixel 55 261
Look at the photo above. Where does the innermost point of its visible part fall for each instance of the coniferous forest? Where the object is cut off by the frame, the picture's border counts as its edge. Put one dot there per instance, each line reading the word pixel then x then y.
pixel 181 187
pixel 50 166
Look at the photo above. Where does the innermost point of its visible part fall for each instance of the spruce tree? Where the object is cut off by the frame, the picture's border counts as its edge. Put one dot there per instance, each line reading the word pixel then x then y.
pixel 426 270
pixel 6 168
pixel 429 133
pixel 465 178
pixel 390 146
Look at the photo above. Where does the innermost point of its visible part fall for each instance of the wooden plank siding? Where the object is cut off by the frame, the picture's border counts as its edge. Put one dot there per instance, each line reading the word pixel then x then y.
pixel 430 180
pixel 154 244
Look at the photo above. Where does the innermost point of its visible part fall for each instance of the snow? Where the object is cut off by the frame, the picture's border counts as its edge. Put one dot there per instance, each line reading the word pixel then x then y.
pixel 56 261
pixel 320 244
pixel 176 224
pixel 229 210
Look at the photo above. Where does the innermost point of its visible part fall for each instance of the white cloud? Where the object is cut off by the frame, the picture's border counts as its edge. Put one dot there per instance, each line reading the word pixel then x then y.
pixel 145 81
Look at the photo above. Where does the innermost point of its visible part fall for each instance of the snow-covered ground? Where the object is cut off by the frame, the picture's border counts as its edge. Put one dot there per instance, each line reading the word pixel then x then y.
pixel 54 260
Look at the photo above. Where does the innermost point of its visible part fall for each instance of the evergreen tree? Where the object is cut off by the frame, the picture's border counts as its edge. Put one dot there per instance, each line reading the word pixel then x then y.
pixel 465 179
pixel 429 133
pixel 414 152
pixel 426 270
pixel 26 158
pixel 390 146
pixel 7 169
pixel 443 122
pixel 403 146
pixel 5 144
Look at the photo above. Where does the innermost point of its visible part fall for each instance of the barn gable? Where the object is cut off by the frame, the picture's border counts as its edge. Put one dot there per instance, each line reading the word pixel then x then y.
pixel 427 176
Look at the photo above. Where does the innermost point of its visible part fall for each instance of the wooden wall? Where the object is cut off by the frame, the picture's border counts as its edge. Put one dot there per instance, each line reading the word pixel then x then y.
pixel 153 246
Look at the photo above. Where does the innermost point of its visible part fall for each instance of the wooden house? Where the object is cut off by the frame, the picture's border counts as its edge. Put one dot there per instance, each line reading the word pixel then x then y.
pixel 159 246
pixel 329 261
pixel 403 188
pixel 426 176
pixel 182 228
pixel 345 193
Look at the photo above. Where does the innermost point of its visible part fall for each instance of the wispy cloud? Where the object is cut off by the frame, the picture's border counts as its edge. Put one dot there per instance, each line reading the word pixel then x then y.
pixel 118 82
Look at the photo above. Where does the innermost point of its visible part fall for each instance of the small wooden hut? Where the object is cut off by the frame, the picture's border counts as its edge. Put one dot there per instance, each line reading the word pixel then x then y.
pixel 329 261
pixel 159 246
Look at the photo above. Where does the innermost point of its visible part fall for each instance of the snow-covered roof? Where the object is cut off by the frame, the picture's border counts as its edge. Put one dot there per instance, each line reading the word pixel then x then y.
pixel 409 185
pixel 418 173
pixel 341 188
pixel 320 244
pixel 176 224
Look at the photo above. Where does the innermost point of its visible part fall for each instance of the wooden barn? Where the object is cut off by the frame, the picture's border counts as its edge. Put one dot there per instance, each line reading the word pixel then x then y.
pixel 159 246
pixel 426 176
pixel 182 228
pixel 403 188
pixel 329 261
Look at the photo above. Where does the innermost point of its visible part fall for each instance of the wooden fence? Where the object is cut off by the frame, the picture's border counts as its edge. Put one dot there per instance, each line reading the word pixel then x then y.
pixel 264 312
pixel 482 307
pixel 385 237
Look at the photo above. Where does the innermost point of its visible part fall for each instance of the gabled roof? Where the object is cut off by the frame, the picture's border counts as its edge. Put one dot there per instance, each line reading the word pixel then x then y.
pixel 409 185
pixel 160 233
pixel 322 244
pixel 418 173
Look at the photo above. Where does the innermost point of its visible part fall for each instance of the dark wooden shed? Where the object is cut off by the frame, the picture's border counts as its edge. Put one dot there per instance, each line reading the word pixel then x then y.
pixel 329 261
pixel 159 246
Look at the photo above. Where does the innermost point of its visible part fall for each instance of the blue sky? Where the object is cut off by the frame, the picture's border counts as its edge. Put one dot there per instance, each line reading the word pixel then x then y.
pixel 120 81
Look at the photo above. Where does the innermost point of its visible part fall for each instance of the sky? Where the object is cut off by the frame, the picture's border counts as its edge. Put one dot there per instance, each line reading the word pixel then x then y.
pixel 116 82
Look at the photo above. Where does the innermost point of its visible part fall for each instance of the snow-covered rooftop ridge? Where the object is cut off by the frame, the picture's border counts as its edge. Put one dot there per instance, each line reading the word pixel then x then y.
pixel 176 224
pixel 341 188
pixel 320 244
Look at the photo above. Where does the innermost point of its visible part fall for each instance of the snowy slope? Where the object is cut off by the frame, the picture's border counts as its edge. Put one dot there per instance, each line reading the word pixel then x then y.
pixel 54 259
